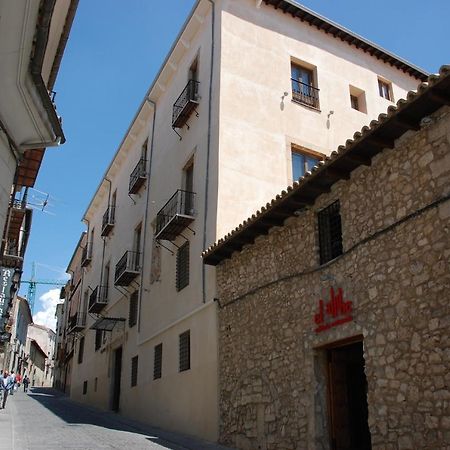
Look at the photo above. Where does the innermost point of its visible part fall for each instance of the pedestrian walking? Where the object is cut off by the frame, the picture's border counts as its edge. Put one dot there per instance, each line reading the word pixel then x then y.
pixel 13 377
pixel 26 382
pixel 6 384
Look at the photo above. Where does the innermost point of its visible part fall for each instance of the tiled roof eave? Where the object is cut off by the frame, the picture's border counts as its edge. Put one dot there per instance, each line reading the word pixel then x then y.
pixel 321 23
pixel 360 150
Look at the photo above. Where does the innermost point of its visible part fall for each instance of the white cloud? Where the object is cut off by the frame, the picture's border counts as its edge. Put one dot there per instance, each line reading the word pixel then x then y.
pixel 46 316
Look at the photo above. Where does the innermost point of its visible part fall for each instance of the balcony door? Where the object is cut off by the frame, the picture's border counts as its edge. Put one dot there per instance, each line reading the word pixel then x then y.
pixel 189 189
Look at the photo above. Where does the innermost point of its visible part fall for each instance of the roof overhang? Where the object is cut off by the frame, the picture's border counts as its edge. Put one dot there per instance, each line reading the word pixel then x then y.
pixel 106 323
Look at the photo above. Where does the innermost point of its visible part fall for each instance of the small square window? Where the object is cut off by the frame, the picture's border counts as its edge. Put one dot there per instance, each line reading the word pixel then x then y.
pixel 385 89
pixel 157 364
pixel 302 162
pixel 185 351
pixel 330 232
pixel 357 99
pixel 134 371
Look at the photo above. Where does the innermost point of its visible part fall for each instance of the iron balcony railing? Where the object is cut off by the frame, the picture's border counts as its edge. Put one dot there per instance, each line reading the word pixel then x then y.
pixel 86 256
pixel 305 93
pixel 77 322
pixel 175 215
pixel 185 104
pixel 108 220
pixel 98 299
pixel 127 268
pixel 137 177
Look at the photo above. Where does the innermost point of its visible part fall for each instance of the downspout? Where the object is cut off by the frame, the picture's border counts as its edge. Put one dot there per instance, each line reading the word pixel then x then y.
pixel 208 150
pixel 42 33
pixel 147 198
pixel 83 272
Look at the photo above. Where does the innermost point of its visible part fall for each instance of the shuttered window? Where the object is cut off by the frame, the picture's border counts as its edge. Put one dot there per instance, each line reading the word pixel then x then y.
pixel 133 313
pixel 157 365
pixel 330 232
pixel 185 351
pixel 98 339
pixel 81 350
pixel 85 387
pixel 134 371
pixel 183 266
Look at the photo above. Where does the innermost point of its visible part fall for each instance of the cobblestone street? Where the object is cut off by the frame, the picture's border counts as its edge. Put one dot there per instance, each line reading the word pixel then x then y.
pixel 45 419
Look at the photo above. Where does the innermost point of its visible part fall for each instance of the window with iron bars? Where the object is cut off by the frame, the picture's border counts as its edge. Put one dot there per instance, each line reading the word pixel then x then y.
pixel 133 312
pixel 157 364
pixel 182 276
pixel 185 351
pixel 134 371
pixel 330 232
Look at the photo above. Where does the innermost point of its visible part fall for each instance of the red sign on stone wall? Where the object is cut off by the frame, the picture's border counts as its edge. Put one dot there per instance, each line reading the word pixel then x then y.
pixel 334 312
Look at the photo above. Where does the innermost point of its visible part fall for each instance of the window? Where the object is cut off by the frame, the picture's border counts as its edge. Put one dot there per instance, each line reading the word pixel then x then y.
pixel 134 371
pixel 144 150
pixel 330 232
pixel 84 387
pixel 185 351
pixel 357 99
pixel 182 274
pixel 91 247
pixel 303 86
pixel 98 339
pixel 106 273
pixel 303 160
pixel 385 89
pixel 81 350
pixel 133 311
pixel 188 176
pixel 193 70
pixel 137 245
pixel 95 384
pixel 157 364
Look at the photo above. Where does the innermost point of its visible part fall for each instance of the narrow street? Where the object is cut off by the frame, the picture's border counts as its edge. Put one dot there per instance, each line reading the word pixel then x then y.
pixel 45 419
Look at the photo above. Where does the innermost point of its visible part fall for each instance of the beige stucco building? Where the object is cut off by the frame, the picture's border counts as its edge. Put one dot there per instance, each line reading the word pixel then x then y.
pixel 333 323
pixel 248 98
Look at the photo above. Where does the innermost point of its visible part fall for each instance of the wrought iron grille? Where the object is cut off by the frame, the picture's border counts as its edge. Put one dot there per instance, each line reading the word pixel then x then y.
pixel 78 320
pixel 99 296
pixel 86 255
pixel 181 105
pixel 137 174
pixel 182 266
pixel 134 371
pixel 185 351
pixel 157 362
pixel 305 93
pixel 330 232
pixel 128 263
pixel 109 216
pixel 181 203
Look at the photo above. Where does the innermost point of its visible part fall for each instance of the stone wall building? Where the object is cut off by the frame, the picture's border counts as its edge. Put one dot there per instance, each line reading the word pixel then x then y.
pixel 334 298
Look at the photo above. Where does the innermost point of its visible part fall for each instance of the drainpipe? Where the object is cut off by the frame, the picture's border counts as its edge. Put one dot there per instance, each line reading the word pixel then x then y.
pixel 147 198
pixel 42 33
pixel 208 151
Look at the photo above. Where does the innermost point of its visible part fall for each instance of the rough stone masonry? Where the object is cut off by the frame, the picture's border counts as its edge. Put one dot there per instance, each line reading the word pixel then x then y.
pixel 394 269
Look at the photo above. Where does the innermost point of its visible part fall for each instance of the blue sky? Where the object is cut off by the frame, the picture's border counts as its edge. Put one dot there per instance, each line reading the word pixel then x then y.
pixel 114 52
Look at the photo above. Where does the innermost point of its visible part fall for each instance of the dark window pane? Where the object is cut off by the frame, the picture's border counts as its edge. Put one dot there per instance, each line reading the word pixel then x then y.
pixel 185 351
pixel 133 312
pixel 330 232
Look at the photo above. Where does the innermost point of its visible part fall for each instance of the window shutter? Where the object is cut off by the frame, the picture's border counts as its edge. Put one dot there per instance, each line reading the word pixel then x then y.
pixel 157 365
pixel 182 275
pixel 133 312
pixel 185 351
pixel 134 371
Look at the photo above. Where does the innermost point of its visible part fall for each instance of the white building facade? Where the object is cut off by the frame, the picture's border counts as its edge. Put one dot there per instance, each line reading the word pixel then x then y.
pixel 248 98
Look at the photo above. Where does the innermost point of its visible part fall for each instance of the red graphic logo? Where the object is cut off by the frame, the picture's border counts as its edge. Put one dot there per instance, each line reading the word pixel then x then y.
pixel 335 312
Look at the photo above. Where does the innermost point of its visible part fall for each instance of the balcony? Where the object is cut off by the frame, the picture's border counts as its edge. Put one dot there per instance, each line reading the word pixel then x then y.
pixel 86 256
pixel 108 220
pixel 98 299
pixel 175 215
pixel 127 269
pixel 137 177
pixel 77 322
pixel 305 94
pixel 185 104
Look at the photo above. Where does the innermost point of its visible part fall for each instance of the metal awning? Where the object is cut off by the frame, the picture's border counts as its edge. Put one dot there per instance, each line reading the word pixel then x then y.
pixel 106 323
